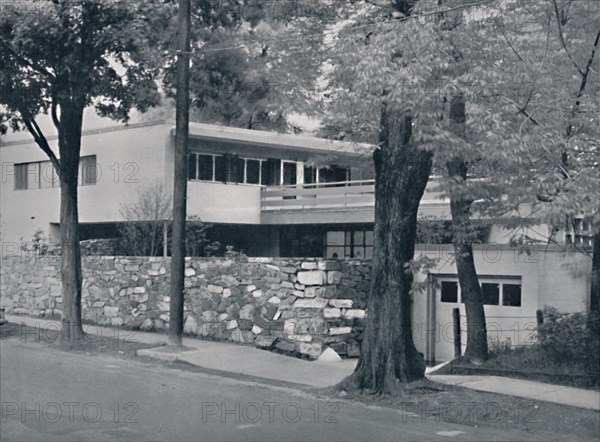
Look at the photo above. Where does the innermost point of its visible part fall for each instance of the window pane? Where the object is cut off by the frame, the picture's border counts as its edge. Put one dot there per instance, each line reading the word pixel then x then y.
pixel 369 237
pixel 235 170
pixel 335 238
pixel 33 176
pixel 335 252
pixel 359 238
pixel 289 174
pixel 270 172
pixel 192 166
pixel 46 175
pixel 326 175
pixel 252 171
pixel 220 169
pixel 20 176
pixel 511 295
pixel 491 293
pixel 368 252
pixel 449 291
pixel 310 175
pixel 88 170
pixel 359 252
pixel 205 167
pixel 348 252
pixel 340 174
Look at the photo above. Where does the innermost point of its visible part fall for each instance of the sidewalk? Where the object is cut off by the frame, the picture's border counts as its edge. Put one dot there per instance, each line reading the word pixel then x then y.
pixel 251 361
pixel 575 397
pixel 223 356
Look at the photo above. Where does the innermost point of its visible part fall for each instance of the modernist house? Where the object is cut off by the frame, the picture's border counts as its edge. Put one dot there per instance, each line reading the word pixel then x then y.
pixel 273 195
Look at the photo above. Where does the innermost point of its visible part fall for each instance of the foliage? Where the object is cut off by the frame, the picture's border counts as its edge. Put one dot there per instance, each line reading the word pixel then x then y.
pixel 528 71
pixel 101 51
pixel 571 338
pixel 39 243
pixel 232 254
pixel 197 242
pixel 253 63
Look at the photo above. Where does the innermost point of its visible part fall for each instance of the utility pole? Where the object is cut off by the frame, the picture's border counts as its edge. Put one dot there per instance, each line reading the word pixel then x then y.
pixel 182 120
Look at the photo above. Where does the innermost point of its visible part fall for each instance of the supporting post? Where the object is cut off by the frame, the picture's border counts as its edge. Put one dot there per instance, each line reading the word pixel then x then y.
pixel 457 343
pixel 430 326
pixel 165 239
pixel 182 120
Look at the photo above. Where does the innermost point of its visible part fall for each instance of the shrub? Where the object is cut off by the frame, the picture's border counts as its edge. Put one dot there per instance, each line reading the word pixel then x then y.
pixel 572 339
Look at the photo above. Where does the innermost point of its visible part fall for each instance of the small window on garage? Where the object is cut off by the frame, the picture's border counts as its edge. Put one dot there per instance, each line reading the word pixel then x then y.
pixel 511 295
pixel 491 293
pixel 449 291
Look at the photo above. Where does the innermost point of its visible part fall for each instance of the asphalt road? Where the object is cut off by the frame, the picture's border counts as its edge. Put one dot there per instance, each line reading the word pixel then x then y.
pixel 52 395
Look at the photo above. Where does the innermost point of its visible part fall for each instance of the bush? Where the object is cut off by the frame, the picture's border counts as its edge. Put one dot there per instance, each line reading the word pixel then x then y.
pixel 572 339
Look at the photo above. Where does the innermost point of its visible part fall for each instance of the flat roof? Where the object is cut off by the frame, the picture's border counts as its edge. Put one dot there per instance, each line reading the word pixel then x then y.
pixel 225 134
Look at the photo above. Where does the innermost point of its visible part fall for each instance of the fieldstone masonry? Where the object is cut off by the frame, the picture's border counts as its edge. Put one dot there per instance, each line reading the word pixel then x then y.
pixel 301 306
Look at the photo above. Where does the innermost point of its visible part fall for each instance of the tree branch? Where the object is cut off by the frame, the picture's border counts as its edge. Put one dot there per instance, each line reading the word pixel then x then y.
pixel 562 39
pixel 509 43
pixel 40 139
pixel 31 64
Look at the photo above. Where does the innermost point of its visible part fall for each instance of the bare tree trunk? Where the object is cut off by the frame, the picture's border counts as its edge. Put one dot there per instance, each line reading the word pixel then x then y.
pixel 69 144
pixel 180 176
pixel 462 239
pixel 388 355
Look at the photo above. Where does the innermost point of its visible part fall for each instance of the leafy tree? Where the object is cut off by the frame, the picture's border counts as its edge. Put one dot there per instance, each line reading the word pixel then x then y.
pixel 254 63
pixel 427 58
pixel 59 57
pixel 388 355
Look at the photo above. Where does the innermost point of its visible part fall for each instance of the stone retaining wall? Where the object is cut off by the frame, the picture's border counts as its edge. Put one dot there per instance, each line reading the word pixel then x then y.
pixel 294 305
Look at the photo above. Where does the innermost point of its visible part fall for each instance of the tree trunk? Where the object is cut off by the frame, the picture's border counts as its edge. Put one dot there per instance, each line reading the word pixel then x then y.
pixel 69 145
pixel 182 119
pixel 595 289
pixel 462 239
pixel 388 355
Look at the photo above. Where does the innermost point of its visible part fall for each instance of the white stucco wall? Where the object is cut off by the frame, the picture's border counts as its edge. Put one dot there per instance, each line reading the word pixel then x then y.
pixel 548 278
pixel 127 160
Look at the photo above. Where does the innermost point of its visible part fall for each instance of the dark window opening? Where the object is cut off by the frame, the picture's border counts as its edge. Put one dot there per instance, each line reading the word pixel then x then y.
pixel 511 295
pixel 205 167
pixel 491 293
pixel 192 167
pixel 270 172
pixel 449 291
pixel 220 169
pixel 310 175
pixel 235 170
pixel 332 174
pixel 252 171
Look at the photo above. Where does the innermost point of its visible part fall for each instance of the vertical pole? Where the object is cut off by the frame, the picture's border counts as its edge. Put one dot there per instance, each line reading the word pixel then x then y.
pixel 457 343
pixel 165 239
pixel 180 174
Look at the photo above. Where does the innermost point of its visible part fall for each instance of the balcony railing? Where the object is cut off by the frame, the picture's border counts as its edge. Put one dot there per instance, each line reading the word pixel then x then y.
pixel 351 194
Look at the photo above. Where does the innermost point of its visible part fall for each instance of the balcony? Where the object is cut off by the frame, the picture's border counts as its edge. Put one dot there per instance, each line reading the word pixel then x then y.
pixel 338 202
